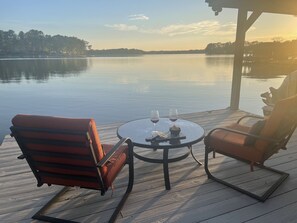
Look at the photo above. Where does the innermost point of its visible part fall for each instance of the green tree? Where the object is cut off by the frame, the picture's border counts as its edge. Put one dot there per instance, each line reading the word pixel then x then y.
pixel 35 44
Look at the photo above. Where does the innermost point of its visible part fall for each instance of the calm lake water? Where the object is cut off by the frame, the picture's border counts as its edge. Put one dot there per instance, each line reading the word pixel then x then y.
pixel 117 89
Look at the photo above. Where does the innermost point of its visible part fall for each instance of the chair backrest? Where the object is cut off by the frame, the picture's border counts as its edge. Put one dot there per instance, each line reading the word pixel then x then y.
pixel 280 125
pixel 61 151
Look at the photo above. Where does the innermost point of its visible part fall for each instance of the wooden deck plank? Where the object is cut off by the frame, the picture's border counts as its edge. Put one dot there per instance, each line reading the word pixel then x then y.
pixel 193 197
pixel 280 214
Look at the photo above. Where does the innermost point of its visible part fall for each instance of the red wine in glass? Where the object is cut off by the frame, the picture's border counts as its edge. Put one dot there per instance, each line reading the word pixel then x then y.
pixel 173 115
pixel 154 120
pixel 173 119
pixel 155 117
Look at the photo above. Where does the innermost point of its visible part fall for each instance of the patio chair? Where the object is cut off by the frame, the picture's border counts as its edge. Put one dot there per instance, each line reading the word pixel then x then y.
pixel 255 144
pixel 68 152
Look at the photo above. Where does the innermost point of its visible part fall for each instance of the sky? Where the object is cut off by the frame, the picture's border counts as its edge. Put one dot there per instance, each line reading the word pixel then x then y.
pixel 139 24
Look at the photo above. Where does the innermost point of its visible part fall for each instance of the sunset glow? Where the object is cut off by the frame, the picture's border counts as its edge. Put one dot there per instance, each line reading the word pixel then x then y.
pixel 146 25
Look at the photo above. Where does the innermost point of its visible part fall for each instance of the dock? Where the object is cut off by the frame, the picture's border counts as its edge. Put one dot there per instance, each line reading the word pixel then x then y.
pixel 192 198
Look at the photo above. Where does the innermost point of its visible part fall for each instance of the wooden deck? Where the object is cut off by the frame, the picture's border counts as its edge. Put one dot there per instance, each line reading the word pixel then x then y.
pixel 193 198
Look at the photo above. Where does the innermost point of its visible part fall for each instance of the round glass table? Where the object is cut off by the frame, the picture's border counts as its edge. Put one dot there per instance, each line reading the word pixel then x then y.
pixel 140 132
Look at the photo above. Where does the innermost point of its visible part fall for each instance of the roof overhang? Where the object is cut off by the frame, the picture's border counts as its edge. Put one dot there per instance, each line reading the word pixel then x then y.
pixel 287 7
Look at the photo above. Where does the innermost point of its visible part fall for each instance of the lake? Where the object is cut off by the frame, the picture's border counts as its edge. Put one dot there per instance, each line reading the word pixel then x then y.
pixel 115 89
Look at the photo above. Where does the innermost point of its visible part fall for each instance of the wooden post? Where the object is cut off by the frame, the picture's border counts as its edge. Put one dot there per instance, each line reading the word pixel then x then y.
pixel 238 58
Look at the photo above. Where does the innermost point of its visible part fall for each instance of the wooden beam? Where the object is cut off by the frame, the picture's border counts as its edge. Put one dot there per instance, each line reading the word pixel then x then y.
pixel 238 58
pixel 250 21
pixel 288 7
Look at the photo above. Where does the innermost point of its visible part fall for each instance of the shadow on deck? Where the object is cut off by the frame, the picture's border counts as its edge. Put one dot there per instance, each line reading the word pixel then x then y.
pixel 192 198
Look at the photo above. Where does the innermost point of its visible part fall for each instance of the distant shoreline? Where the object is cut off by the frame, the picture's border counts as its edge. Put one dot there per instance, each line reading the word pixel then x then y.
pixel 107 53
pixel 136 52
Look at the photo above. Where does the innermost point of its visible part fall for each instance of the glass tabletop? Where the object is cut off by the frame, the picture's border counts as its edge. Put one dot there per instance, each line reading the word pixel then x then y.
pixel 140 130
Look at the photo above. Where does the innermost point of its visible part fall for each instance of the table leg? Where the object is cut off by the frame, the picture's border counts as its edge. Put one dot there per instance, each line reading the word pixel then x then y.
pixel 165 169
pixel 191 150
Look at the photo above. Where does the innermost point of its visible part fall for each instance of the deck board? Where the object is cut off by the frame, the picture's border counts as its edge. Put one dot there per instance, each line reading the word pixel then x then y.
pixel 193 197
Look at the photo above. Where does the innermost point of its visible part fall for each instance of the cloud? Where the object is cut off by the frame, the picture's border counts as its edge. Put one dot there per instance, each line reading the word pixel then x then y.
pixel 138 17
pixel 122 27
pixel 205 28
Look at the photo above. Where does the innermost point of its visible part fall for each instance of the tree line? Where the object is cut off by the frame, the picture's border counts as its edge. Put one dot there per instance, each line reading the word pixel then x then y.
pixel 135 52
pixel 35 43
pixel 275 51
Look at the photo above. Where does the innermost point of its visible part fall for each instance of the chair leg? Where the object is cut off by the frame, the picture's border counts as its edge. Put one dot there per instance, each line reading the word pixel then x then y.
pixel 40 216
pixel 262 198
pixel 129 188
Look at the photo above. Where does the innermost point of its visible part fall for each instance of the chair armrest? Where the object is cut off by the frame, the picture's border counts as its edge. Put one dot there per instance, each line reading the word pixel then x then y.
pixel 114 149
pixel 249 116
pixel 243 133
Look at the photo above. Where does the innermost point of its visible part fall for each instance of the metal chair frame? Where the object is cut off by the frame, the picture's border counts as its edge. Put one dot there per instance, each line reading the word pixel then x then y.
pixel 39 215
pixel 275 146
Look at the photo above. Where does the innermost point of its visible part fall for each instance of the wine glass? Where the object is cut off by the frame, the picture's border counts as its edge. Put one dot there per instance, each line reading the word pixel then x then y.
pixel 173 115
pixel 154 118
